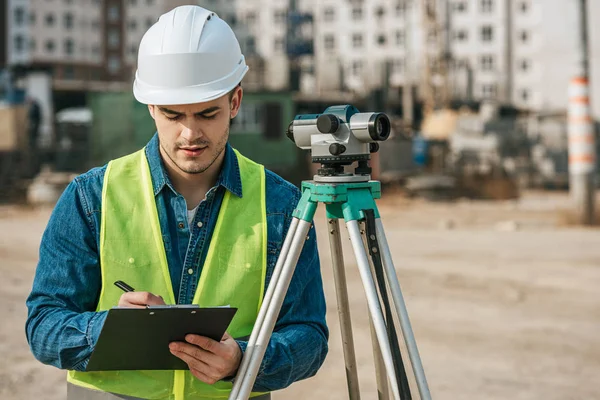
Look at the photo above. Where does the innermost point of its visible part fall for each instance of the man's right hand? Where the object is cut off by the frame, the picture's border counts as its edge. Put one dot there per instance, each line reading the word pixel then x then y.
pixel 140 300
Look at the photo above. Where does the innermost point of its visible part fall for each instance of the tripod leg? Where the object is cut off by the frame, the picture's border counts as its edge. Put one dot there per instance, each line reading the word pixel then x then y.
pixel 373 303
pixel 382 383
pixel 341 290
pixel 246 380
pixel 383 391
pixel 407 331
pixel 266 300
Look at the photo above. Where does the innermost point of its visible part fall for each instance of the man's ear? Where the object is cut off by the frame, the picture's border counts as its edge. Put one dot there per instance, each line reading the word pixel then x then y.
pixel 236 102
pixel 152 109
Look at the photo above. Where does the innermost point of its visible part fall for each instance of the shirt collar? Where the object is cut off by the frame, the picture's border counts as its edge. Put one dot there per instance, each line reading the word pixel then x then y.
pixel 229 177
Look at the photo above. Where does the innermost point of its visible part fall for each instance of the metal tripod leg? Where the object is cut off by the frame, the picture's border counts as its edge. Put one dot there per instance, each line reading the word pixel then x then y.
pixel 373 303
pixel 341 290
pixel 402 313
pixel 383 391
pixel 261 333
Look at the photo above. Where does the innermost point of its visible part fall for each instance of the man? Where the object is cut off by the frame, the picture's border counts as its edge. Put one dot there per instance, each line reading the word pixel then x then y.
pixel 185 220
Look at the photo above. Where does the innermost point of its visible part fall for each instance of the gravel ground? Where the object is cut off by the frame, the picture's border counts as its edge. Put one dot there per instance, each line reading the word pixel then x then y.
pixel 503 299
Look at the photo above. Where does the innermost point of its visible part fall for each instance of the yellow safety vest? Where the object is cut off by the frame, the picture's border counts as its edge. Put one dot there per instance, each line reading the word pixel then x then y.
pixel 132 250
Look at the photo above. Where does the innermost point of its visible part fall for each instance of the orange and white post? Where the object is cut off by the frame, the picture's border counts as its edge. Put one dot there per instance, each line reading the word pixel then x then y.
pixel 582 150
pixel 582 147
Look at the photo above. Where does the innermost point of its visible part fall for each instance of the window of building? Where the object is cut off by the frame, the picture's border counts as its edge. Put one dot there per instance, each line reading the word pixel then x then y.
pixel 461 35
pixel 357 40
pixel 68 72
pixel 380 12
pixel 96 49
pixel 400 8
pixel 69 1
pixel 133 50
pixel 251 18
pixel 232 20
pixel 132 25
pixel 381 39
pixel 149 22
pixel 487 33
pixel 150 2
pixel 487 63
pixel 114 39
pixel 524 36
pixel 431 38
pixel 114 13
pixel 487 6
pixel 524 6
pixel 357 68
pixel 32 18
pixel 357 13
pixel 114 65
pixel 400 38
pixel 525 65
pixel 251 45
pixel 329 42
pixel 69 46
pixel 280 16
pixel 19 16
pixel 248 119
pixel 279 45
pixel 329 14
pixel 50 46
pixel 460 6
pixel 68 20
pixel 398 66
pixel 524 95
pixel 49 19
pixel 133 2
pixel 95 25
pixel 488 91
pixel 19 43
pixel 32 44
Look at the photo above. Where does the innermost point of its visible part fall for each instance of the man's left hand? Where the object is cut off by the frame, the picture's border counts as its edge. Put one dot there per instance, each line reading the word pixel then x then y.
pixel 209 360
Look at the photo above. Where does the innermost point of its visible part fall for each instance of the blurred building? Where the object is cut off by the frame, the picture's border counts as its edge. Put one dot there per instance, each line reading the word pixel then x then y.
pixel 516 51
pixel 522 52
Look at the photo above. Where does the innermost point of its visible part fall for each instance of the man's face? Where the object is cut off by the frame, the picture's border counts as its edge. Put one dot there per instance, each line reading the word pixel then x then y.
pixel 193 136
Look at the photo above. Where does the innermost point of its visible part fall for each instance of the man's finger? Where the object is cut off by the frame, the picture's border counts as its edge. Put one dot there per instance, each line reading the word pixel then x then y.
pixel 198 365
pixel 140 299
pixel 206 343
pixel 195 352
pixel 203 377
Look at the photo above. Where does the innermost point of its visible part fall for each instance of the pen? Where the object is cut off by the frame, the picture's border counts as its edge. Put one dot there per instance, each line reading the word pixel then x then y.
pixel 124 287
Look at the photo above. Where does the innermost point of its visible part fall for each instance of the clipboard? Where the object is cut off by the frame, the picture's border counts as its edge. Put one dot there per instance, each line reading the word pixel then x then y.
pixel 138 339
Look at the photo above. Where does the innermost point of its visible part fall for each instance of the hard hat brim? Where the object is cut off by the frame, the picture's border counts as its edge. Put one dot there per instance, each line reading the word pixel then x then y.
pixel 148 94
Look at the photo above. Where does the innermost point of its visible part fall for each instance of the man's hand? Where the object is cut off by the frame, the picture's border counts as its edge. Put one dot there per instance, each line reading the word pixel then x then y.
pixel 208 360
pixel 140 300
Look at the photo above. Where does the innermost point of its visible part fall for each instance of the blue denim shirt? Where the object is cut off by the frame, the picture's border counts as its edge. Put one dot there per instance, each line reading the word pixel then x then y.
pixel 62 326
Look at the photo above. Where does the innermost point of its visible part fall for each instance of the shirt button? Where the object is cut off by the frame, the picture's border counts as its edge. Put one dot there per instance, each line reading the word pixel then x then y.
pixel 180 225
pixel 190 271
pixel 199 224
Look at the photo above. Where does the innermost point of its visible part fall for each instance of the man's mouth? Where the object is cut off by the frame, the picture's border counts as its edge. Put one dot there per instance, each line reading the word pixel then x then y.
pixel 192 151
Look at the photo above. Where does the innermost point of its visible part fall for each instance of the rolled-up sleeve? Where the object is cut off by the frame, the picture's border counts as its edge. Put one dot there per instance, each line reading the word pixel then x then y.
pixel 62 327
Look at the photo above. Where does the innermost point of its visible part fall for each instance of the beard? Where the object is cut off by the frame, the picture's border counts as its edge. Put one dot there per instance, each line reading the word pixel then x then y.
pixel 197 165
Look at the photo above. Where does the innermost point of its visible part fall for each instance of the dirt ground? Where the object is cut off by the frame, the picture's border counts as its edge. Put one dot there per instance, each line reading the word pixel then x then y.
pixel 503 299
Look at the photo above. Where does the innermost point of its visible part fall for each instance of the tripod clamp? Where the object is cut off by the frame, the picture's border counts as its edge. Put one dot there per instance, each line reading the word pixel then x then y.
pixel 353 202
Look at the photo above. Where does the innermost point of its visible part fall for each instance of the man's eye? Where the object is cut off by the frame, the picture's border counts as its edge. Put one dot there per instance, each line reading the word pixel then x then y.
pixel 213 116
pixel 175 118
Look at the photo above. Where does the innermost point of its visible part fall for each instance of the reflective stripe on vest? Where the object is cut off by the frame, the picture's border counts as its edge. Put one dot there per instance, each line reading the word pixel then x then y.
pixel 132 250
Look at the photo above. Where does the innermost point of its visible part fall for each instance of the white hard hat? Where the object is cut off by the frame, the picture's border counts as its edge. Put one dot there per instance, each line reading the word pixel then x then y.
pixel 189 56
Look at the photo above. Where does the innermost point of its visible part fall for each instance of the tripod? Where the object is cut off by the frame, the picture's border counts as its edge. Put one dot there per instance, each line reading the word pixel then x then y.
pixel 352 198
